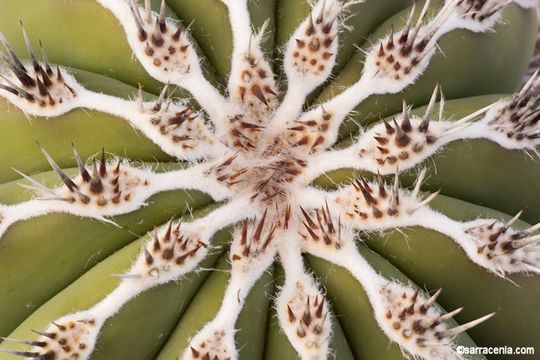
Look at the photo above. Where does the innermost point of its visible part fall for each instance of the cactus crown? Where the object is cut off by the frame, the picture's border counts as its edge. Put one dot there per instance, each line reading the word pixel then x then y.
pixel 258 151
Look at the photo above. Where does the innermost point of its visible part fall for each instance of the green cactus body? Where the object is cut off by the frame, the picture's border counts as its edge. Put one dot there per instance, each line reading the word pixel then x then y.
pixel 287 182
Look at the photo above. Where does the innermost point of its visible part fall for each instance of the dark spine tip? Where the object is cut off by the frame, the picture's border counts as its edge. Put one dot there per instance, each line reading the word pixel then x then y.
pixel 177 34
pixel 42 89
pixel 381 50
pixel 148 258
pixel 82 169
pixel 421 46
pixel 46 79
pixel 59 74
pixel 424 125
pixel 402 139
pixel 258 230
pixel 256 90
pixel 143 36
pixel 167 235
pixel 389 129
pixel 406 123
pixel 390 43
pixel 102 164
pixel 157 40
pixel 292 317
pixel 67 181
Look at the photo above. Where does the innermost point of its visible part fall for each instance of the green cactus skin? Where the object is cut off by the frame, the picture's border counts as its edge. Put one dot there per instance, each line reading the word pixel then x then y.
pixel 42 277
pixel 476 76
pixel 513 302
pixel 338 281
pixel 480 183
pixel 288 238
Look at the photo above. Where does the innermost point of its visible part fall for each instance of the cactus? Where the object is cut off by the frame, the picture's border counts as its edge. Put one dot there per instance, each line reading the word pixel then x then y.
pixel 264 179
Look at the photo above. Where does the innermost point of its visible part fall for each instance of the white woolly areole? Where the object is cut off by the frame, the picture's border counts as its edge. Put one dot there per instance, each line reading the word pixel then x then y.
pixel 174 127
pixel 408 140
pixel 404 314
pixel 302 310
pixel 309 57
pixel 371 206
pixel 311 51
pixel 390 66
pixel 252 252
pixel 477 15
pixel 120 190
pixel 182 67
pixel 212 342
pixel 506 250
pixel 173 251
pixel 69 337
pixel 251 81
pixel 63 93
